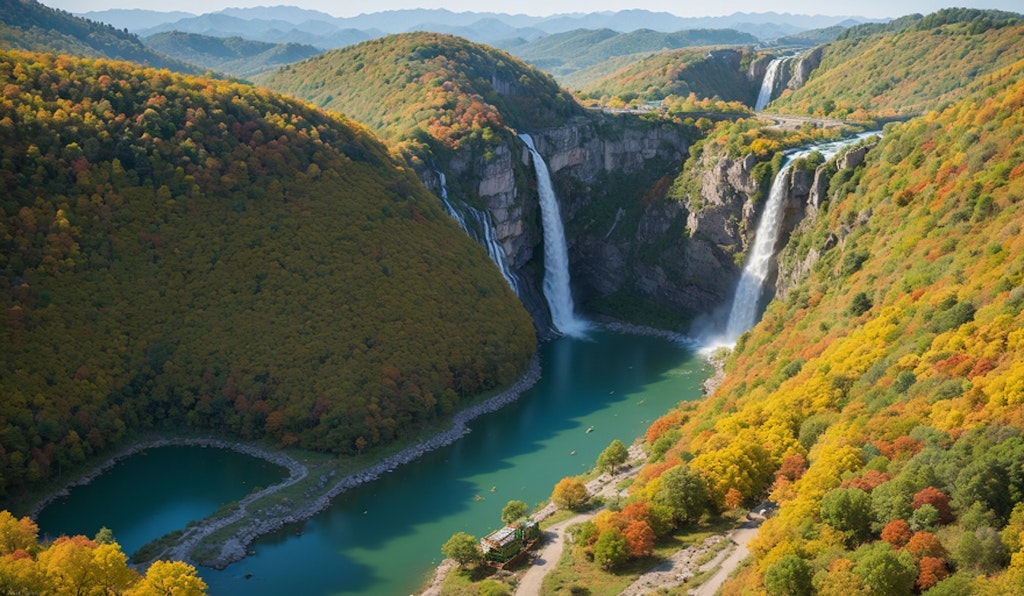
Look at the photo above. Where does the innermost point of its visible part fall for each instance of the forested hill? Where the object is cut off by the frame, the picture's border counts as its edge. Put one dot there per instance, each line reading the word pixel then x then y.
pixel 720 74
pixel 428 87
pixel 907 67
pixel 563 54
pixel 28 25
pixel 186 253
pixel 881 403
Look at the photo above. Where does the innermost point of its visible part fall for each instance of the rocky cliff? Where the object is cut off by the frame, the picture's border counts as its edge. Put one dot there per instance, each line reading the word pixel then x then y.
pixel 635 253
pixel 606 170
pixel 807 197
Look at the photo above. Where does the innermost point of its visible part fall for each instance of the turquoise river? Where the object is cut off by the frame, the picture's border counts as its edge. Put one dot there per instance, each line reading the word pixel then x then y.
pixel 384 537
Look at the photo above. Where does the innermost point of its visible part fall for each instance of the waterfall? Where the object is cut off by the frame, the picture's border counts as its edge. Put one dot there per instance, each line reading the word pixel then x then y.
pixel 747 299
pixel 483 232
pixel 556 253
pixel 769 83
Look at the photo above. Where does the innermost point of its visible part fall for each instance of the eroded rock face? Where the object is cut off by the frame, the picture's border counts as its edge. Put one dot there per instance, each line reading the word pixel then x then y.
pixel 793 267
pixel 803 67
pixel 625 237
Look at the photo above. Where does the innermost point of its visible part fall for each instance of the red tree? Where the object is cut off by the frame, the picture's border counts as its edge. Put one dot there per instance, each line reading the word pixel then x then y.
pixel 897 533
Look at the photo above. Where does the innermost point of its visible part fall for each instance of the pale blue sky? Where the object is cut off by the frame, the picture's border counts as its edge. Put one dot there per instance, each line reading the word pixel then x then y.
pixel 686 8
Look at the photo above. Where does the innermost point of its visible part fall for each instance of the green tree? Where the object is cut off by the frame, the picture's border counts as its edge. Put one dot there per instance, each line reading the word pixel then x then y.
pixel 884 571
pixel 462 548
pixel 611 549
pixel 613 456
pixel 513 510
pixel 791 576
pixel 849 511
pixel 104 536
pixel 684 491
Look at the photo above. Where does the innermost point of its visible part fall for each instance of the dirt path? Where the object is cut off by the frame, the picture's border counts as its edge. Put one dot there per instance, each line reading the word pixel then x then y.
pixel 728 560
pixel 605 485
pixel 547 558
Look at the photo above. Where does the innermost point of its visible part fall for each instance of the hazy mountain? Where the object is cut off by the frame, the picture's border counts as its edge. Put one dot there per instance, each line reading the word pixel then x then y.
pixel 29 25
pixel 278 22
pixel 231 55
pixel 136 19
pixel 563 54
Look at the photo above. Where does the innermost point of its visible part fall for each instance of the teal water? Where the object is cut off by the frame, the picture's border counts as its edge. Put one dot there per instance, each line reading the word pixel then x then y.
pixel 156 492
pixel 385 537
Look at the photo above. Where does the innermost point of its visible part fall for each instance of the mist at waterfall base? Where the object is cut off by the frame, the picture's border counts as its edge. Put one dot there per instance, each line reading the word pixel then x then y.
pixel 557 289
pixel 749 300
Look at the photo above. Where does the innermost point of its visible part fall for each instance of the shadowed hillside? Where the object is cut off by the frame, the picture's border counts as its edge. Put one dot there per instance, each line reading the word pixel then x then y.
pixel 189 253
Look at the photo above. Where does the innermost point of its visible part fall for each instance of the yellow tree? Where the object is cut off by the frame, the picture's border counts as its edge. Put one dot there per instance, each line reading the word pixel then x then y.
pixel 570 493
pixel 170 578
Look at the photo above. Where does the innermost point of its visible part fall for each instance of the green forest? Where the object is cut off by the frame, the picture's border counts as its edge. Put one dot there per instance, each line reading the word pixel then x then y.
pixel 190 253
pixel 906 68
pixel 429 91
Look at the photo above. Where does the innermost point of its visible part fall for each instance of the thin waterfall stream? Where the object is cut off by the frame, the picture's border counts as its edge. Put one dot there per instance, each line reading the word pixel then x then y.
pixel 557 290
pixel 483 232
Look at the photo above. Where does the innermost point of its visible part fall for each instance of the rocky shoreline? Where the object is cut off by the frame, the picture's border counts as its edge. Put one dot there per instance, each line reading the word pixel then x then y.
pixel 235 548
pixel 280 459
pixel 316 499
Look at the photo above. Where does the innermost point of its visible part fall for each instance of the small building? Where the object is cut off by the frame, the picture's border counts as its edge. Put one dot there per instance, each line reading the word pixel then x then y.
pixel 504 544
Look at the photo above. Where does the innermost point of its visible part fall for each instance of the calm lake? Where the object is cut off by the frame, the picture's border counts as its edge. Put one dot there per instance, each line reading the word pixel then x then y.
pixel 385 537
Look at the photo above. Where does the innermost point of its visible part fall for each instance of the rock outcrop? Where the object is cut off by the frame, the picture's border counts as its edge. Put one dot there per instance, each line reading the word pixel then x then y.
pixel 803 68
pixel 793 266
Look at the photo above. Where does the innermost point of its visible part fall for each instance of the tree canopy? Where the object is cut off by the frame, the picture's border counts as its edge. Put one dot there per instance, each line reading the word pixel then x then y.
pixel 184 252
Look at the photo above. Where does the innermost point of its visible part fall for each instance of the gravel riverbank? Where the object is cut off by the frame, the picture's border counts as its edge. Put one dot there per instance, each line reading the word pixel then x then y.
pixel 247 523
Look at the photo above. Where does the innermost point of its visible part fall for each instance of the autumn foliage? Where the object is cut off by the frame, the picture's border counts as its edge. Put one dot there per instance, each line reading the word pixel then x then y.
pixel 79 565
pixel 890 437
pixel 180 252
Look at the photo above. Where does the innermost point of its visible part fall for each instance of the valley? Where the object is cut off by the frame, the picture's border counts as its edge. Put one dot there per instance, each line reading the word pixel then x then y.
pixel 344 256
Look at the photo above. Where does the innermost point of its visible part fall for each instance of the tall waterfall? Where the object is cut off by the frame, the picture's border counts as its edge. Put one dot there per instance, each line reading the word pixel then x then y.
pixel 556 253
pixel 747 300
pixel 483 232
pixel 769 82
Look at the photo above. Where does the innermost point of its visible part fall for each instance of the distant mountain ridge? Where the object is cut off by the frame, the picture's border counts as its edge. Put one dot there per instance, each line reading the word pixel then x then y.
pixel 269 23
pixel 231 55
pixel 31 26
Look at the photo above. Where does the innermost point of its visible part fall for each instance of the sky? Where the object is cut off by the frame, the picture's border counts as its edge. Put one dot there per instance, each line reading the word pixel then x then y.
pixel 684 8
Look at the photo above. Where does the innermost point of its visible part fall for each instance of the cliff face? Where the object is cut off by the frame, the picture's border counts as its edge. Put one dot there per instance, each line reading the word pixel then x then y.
pixel 632 250
pixel 794 262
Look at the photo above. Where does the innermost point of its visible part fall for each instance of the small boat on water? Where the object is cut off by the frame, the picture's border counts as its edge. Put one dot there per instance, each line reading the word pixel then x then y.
pixel 590 430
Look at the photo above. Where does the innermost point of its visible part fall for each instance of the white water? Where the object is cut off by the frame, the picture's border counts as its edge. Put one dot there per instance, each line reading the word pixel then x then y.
pixel 486 235
pixel 556 252
pixel 769 82
pixel 747 299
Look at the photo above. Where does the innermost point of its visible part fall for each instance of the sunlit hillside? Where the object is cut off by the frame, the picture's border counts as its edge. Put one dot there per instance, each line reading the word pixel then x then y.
pixel 874 72
pixel 428 87
pixel 880 403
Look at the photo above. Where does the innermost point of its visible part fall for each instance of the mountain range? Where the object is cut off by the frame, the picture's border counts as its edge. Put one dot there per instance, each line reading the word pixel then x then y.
pixel 285 23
